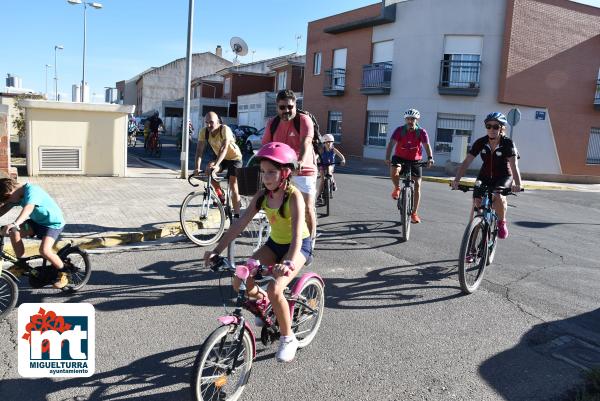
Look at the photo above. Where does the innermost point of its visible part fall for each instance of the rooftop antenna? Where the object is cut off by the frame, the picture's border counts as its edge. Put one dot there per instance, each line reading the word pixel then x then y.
pixel 298 37
pixel 280 48
pixel 253 51
pixel 239 47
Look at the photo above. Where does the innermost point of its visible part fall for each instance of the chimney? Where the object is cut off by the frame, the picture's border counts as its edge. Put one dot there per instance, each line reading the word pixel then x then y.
pixel 219 51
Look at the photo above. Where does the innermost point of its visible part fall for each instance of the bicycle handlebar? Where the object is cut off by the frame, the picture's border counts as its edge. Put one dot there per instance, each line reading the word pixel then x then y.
pixel 497 190
pixel 256 270
pixel 415 163
pixel 330 164
pixel 211 173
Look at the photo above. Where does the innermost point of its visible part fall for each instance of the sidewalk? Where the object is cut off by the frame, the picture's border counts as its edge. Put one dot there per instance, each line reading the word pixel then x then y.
pixel 438 174
pixel 111 211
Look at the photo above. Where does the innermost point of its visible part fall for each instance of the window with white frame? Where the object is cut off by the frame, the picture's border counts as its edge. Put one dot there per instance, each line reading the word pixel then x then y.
pixel 281 80
pixel 449 125
pixel 227 85
pixel 334 125
pixel 593 152
pixel 377 127
pixel 462 59
pixel 317 63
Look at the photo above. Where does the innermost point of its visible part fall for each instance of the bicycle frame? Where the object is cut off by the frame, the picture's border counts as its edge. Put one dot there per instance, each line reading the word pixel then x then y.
pixel 235 317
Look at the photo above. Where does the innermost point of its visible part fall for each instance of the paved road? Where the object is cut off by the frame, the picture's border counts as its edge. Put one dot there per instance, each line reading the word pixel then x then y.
pixel 396 326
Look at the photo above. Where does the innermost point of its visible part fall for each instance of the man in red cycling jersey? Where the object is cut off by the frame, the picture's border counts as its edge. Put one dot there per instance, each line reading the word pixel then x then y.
pixel 407 140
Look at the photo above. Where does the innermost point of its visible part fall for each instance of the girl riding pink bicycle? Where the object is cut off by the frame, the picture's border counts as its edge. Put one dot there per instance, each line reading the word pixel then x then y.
pixel 288 247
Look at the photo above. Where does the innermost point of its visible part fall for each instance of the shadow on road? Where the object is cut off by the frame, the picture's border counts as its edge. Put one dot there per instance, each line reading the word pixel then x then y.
pixel 344 235
pixel 544 224
pixel 160 377
pixel 536 368
pixel 393 287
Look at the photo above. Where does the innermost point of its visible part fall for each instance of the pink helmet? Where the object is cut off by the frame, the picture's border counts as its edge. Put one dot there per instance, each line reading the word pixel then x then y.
pixel 278 152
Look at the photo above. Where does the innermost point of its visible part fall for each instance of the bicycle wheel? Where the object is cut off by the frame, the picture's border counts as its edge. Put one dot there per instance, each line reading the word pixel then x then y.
pixel 326 193
pixel 9 292
pixel 473 255
pixel 202 218
pixel 492 242
pixel 308 311
pixel 158 148
pixel 405 212
pixel 214 377
pixel 77 263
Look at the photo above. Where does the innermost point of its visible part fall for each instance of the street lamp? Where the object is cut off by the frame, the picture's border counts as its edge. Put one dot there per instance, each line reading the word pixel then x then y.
pixel 85 6
pixel 56 47
pixel 46 92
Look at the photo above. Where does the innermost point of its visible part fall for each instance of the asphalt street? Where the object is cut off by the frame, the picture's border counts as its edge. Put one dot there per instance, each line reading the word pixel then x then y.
pixel 396 326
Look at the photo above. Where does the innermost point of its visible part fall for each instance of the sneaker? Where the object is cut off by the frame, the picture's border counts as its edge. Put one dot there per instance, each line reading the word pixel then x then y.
pixel 62 280
pixel 396 193
pixel 287 348
pixel 470 259
pixel 414 218
pixel 502 229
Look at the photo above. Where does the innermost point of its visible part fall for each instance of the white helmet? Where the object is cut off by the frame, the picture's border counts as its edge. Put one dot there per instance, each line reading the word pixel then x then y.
pixel 412 113
pixel 328 138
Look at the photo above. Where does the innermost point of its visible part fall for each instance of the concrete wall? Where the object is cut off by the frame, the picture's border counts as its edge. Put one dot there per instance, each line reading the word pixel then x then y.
pixel 551 60
pixel 352 104
pixel 257 116
pixel 98 130
pixel 416 71
pixel 168 82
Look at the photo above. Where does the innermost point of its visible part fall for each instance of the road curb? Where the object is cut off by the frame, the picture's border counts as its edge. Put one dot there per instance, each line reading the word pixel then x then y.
pixel 107 240
pixel 443 180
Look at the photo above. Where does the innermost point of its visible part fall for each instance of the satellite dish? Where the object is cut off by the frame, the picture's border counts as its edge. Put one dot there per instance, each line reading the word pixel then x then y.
pixel 238 46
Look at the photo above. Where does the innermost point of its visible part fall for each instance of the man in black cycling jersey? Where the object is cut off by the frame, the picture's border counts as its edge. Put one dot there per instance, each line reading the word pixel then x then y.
pixel 500 166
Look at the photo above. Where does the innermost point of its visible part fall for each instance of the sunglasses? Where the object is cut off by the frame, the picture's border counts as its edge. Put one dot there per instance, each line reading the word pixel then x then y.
pixel 494 127
pixel 288 107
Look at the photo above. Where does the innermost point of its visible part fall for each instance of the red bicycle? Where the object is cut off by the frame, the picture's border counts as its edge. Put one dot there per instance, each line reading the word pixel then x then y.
pixel 154 146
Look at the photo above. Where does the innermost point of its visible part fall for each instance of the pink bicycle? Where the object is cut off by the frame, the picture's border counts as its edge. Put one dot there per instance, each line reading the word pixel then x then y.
pixel 222 366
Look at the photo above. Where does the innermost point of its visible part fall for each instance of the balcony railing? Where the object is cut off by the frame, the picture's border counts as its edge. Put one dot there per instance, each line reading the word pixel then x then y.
pixel 597 97
pixel 335 82
pixel 459 78
pixel 376 79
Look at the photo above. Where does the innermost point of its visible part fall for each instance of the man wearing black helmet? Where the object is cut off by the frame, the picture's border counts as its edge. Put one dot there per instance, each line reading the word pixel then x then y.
pixel 499 169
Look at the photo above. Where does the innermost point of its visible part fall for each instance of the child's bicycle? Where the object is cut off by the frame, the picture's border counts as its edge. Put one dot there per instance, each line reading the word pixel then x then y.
pixel 222 366
pixel 77 265
pixel 328 186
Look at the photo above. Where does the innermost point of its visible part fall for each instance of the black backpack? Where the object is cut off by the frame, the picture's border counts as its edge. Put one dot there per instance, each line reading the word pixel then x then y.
pixel 317 138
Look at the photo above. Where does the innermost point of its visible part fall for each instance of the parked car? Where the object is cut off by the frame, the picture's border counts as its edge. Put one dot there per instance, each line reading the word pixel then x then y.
pixel 254 141
pixel 242 133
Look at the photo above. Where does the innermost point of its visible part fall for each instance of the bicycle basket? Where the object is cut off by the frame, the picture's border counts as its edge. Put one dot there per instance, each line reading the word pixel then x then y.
pixel 248 180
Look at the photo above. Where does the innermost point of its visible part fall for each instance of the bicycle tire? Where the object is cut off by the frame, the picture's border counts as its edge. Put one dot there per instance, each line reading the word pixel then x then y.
pixel 473 246
pixel 326 193
pixel 77 263
pixel 314 294
pixel 158 148
pixel 209 375
pixel 492 242
pixel 197 215
pixel 9 293
pixel 405 212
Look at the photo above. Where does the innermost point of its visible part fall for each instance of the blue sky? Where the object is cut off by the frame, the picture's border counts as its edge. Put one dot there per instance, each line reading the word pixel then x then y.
pixel 126 37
